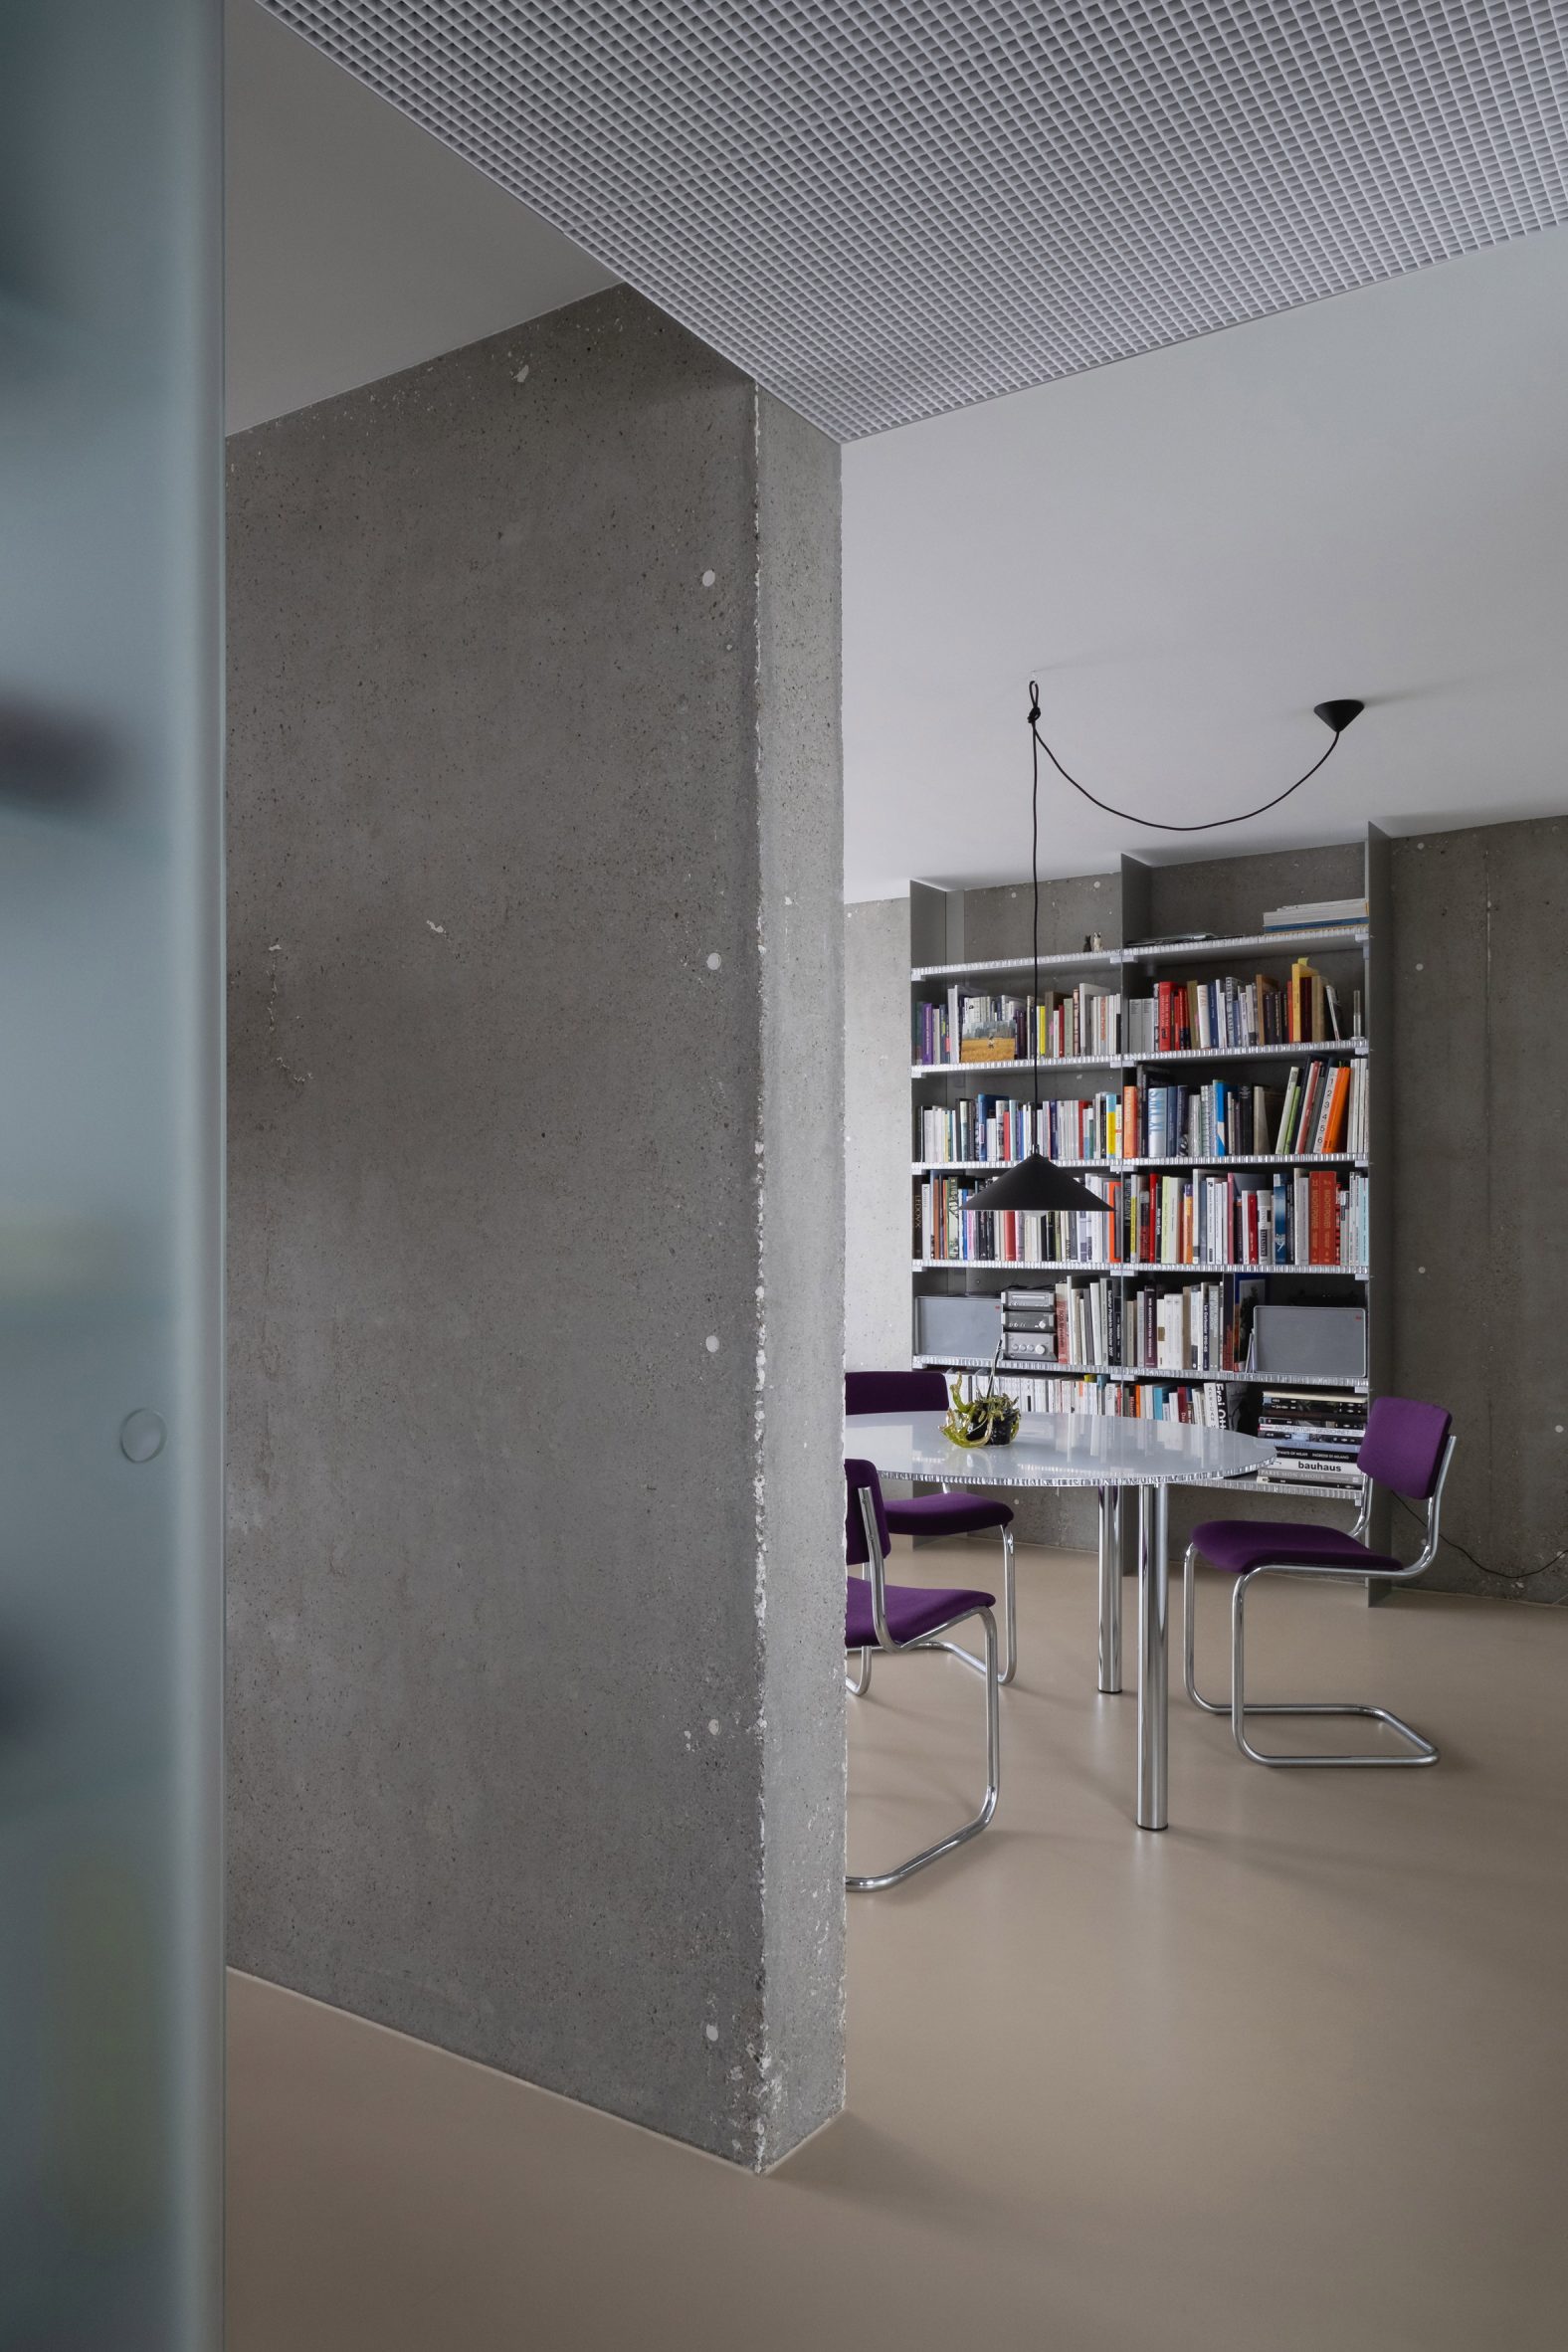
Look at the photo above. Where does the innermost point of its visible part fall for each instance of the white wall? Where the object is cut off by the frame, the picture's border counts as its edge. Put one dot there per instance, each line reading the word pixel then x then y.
pixel 357 244
pixel 1363 496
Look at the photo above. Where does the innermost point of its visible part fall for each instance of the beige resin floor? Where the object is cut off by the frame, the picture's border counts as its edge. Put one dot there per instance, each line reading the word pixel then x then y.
pixel 1292 2078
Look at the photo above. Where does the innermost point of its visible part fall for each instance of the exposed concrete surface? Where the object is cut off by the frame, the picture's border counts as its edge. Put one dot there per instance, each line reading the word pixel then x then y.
pixel 531 1545
pixel 877 1137
pixel 1479 1248
pixel 800 1339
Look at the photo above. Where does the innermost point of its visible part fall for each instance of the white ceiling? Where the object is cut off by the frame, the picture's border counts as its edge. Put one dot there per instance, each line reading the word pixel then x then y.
pixel 357 244
pixel 1368 496
pixel 883 212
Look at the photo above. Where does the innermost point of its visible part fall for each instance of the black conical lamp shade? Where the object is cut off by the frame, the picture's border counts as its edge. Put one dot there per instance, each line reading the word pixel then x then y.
pixel 1036 1186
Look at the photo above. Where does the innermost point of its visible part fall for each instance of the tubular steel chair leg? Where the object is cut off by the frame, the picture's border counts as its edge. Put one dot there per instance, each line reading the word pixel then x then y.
pixel 1110 1589
pixel 1008 1619
pixel 1189 1647
pixel 1153 1641
pixel 857 1689
pixel 1425 1752
pixel 993 1752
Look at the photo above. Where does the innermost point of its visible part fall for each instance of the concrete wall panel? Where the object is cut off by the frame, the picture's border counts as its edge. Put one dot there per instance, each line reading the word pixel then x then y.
pixel 877 1134
pixel 517 1548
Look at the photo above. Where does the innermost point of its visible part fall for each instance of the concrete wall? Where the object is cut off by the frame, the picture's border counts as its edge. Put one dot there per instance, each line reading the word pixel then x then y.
pixel 1479 1245
pixel 1479 1263
pixel 537 1724
pixel 877 1136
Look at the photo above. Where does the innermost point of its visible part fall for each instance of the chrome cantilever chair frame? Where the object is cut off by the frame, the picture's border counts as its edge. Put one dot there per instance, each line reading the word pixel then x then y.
pixel 876 1568
pixel 858 1683
pixel 1009 1621
pixel 1237 1707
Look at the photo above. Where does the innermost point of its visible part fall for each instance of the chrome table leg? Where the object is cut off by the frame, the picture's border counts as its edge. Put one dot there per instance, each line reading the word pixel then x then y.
pixel 1153 1629
pixel 1110 1588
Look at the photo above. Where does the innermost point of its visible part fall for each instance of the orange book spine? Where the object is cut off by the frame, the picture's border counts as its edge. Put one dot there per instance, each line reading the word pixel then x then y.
pixel 1334 1132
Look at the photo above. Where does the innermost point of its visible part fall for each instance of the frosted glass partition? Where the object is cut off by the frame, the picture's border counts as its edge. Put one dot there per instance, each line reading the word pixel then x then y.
pixel 110 993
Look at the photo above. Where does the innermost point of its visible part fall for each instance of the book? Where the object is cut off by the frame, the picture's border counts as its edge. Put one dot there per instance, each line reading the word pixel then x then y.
pixel 1312 915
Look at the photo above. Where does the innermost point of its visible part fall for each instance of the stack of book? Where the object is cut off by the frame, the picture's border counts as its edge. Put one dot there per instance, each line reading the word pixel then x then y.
pixel 950 1230
pixel 999 1127
pixel 1209 1016
pixel 1321 1112
pixel 1206 1122
pixel 1072 1322
pixel 1206 1405
pixel 1326 1111
pixel 1314 914
pixel 1198 1328
pixel 1038 1395
pixel 1289 1218
pixel 1084 1022
pixel 1318 1434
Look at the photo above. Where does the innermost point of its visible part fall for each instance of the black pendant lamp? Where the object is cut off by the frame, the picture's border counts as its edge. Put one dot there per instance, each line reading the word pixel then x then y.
pixel 1036 1185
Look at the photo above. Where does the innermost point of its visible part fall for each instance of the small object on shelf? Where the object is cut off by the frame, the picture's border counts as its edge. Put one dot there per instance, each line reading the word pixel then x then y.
pixel 957 1326
pixel 1316 914
pixel 990 1419
pixel 1175 940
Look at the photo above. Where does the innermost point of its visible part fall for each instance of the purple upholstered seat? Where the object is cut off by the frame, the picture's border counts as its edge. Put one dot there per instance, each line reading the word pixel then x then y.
pixel 1403 1449
pixel 895 1392
pixel 1241 1545
pixel 945 1514
pixel 1404 1444
pixel 912 1611
pixel 929 1515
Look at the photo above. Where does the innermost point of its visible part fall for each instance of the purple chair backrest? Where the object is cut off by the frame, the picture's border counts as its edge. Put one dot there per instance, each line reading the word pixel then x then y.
pixel 858 1474
pixel 1403 1447
pixel 895 1392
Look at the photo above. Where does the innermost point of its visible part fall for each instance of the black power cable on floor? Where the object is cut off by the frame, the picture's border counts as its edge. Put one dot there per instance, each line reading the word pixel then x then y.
pixel 1501 1575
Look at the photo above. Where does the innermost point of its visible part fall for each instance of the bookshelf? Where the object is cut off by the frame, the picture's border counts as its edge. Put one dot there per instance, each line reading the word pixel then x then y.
pixel 1204 1181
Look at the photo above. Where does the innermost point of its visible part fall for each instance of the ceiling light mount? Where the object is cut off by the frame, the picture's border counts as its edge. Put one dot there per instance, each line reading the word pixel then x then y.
pixel 1338 716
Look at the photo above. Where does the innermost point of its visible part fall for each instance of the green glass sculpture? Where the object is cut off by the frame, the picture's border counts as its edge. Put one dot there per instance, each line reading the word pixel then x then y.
pixel 990 1419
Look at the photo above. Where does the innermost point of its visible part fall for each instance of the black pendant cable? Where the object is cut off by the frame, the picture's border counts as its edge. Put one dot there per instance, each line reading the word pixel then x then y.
pixel 1336 716
pixel 1036 1186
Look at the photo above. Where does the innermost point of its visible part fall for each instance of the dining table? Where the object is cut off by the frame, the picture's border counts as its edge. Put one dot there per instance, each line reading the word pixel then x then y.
pixel 1113 1453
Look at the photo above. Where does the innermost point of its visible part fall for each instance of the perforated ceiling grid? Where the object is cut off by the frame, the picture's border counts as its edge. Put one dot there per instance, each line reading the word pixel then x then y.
pixel 882 211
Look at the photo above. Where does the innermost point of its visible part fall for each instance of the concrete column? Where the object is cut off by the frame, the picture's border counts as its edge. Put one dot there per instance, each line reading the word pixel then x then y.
pixel 878 1135
pixel 537 1262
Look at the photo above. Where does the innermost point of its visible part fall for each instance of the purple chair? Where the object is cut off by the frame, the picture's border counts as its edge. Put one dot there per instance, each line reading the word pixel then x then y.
pixel 937 1514
pixel 882 1616
pixel 1406 1447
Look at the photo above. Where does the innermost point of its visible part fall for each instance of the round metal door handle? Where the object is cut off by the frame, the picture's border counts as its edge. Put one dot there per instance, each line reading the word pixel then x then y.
pixel 141 1436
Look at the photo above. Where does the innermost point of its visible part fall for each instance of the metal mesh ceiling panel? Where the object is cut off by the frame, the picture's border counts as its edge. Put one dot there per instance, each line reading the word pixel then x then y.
pixel 884 210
